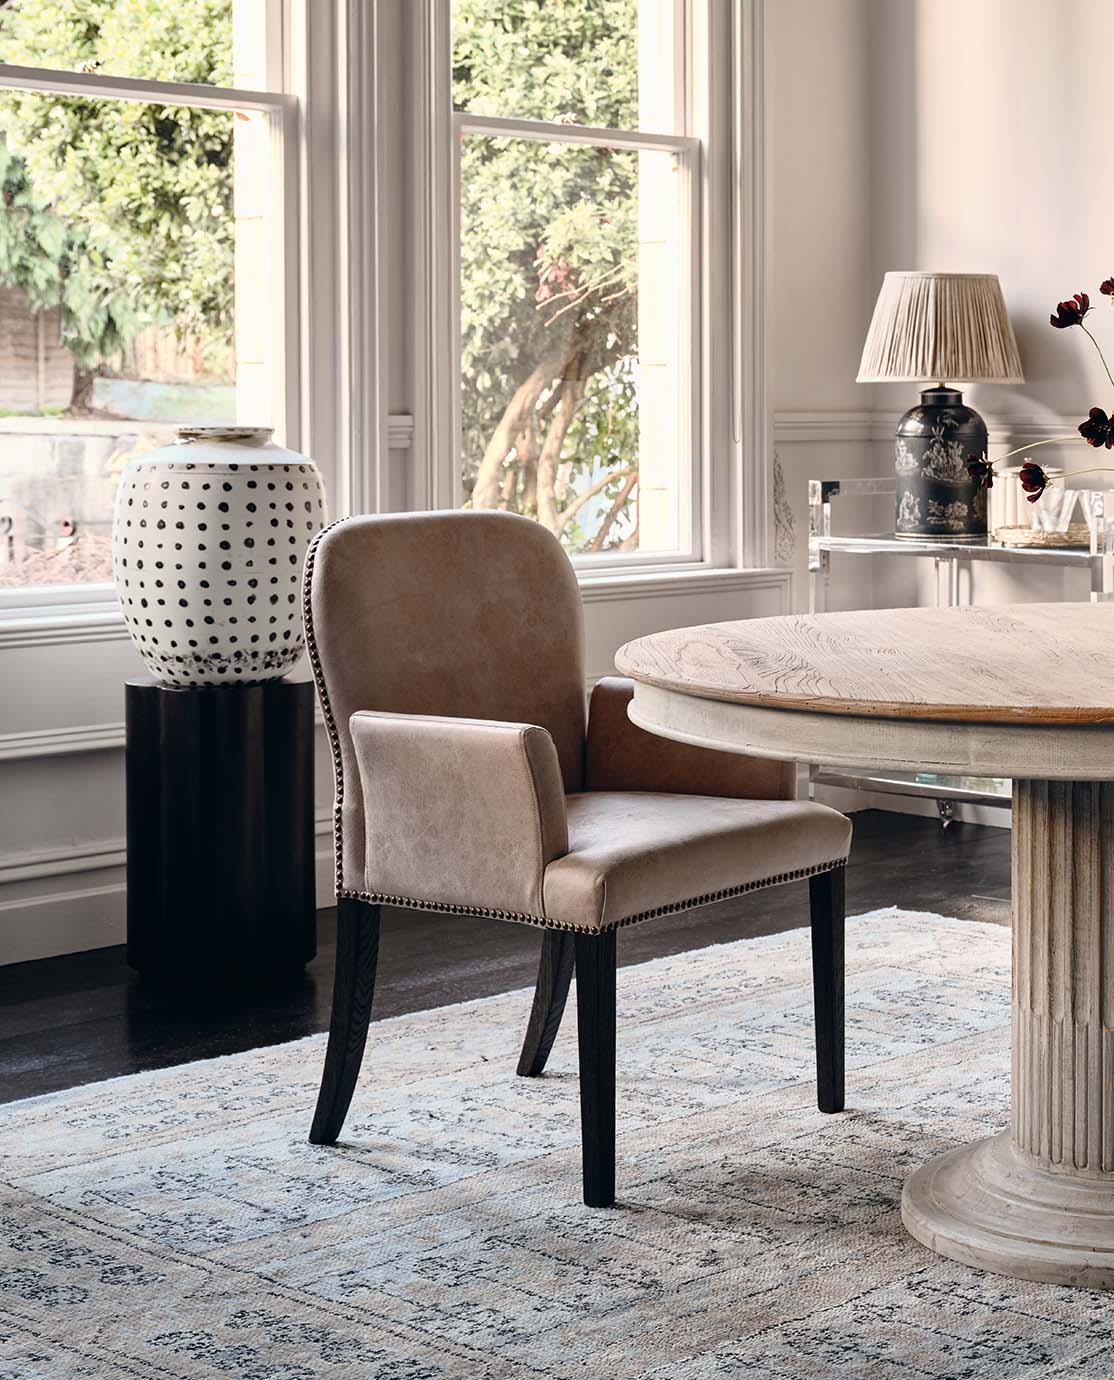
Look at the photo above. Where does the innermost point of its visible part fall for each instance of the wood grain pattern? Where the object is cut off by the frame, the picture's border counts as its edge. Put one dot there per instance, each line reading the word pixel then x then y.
pixel 1034 664
pixel 550 994
pixel 353 994
pixel 826 903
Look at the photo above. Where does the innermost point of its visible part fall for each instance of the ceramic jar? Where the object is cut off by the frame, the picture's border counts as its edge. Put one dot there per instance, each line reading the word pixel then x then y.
pixel 208 541
pixel 936 497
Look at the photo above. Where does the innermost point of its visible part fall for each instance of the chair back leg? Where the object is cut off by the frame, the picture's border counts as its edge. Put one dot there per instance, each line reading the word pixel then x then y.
pixel 554 976
pixel 595 1020
pixel 353 990
pixel 826 898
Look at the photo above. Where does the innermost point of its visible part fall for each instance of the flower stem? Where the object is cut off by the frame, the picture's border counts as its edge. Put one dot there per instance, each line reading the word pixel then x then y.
pixel 1074 474
pixel 1098 347
pixel 1051 441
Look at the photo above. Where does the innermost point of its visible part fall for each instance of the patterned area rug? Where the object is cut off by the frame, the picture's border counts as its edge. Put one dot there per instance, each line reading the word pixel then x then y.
pixel 177 1224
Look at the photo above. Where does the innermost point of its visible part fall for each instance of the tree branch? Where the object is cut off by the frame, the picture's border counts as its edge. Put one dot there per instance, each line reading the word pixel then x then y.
pixel 568 513
pixel 596 544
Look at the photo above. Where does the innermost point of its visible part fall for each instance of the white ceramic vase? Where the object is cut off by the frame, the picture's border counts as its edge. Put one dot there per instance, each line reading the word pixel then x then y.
pixel 208 541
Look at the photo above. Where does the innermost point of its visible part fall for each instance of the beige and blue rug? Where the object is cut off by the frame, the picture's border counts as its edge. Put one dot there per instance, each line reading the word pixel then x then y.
pixel 177 1224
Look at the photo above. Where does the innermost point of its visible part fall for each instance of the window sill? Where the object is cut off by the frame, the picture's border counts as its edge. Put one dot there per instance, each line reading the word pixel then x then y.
pixel 70 620
pixel 616 586
pixel 97 618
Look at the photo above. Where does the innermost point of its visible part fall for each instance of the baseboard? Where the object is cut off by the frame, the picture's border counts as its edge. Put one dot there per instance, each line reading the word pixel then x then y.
pixel 47 912
pixel 75 914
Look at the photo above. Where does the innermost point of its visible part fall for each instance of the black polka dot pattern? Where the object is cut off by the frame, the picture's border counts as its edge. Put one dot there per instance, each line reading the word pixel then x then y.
pixel 208 565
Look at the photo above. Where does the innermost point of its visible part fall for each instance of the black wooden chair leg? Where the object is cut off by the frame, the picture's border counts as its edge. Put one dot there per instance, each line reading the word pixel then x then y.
pixel 554 976
pixel 353 990
pixel 595 1020
pixel 826 903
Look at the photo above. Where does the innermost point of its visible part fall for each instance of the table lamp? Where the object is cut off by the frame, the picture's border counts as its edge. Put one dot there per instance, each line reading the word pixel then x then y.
pixel 940 326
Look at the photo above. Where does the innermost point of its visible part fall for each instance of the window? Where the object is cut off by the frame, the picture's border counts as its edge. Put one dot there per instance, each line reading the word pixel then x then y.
pixel 576 201
pixel 141 278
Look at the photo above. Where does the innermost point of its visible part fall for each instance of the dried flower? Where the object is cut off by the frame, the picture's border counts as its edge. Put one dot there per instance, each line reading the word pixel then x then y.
pixel 1071 313
pixel 1107 287
pixel 981 471
pixel 1033 480
pixel 1098 429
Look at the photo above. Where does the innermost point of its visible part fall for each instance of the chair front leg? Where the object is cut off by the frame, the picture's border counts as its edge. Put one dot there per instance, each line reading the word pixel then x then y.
pixel 554 976
pixel 826 898
pixel 595 1020
pixel 353 990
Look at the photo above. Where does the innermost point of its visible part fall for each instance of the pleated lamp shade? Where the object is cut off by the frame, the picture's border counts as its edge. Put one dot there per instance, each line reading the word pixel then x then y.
pixel 942 327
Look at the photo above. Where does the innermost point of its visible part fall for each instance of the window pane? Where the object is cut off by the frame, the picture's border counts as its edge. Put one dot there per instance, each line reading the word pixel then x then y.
pixel 591 62
pixel 571 341
pixel 127 242
pixel 171 40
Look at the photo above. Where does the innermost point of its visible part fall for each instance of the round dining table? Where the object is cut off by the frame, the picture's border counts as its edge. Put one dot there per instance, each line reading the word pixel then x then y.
pixel 1024 691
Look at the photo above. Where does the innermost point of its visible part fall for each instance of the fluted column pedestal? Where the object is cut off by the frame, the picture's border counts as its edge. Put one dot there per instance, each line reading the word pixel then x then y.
pixel 1037 1202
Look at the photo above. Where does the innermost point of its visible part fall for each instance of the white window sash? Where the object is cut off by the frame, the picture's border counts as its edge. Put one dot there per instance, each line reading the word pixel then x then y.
pixel 282 113
pixel 687 151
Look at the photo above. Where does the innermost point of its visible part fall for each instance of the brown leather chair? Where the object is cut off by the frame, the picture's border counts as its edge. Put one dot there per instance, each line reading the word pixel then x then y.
pixel 447 649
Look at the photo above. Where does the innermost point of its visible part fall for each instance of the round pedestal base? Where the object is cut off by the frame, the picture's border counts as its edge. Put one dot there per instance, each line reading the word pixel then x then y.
pixel 989 1206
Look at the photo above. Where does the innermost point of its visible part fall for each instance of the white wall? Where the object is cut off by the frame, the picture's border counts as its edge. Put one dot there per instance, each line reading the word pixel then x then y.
pixel 821 278
pixel 991 124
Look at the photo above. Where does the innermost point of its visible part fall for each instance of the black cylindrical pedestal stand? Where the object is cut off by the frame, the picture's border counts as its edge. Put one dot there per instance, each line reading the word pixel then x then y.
pixel 220 831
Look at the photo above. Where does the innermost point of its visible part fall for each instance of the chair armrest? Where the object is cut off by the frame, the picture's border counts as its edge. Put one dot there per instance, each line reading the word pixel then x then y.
pixel 459 812
pixel 623 757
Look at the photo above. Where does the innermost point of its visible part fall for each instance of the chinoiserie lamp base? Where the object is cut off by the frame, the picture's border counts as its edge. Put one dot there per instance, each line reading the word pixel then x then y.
pixel 1037 1201
pixel 220 856
pixel 936 499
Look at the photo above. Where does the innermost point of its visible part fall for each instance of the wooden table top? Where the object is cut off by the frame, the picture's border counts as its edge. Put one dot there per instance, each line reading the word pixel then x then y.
pixel 1014 664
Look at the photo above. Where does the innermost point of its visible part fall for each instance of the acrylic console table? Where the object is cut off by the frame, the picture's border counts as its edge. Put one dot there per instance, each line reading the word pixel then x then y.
pixel 1023 691
pixel 220 856
pixel 952 560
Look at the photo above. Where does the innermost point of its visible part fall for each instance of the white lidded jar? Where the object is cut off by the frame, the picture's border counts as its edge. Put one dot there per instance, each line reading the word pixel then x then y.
pixel 208 541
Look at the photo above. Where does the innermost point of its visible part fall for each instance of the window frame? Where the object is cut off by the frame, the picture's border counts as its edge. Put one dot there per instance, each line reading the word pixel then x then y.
pixel 687 151
pixel 77 603
pixel 724 102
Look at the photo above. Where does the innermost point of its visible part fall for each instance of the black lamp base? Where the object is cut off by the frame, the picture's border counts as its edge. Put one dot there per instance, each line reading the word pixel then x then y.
pixel 937 500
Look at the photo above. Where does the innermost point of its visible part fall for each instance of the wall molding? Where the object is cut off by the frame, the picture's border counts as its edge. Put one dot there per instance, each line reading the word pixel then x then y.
pixel 47 625
pixel 61 742
pixel 618 589
pixel 822 426
pixel 825 426
pixel 70 859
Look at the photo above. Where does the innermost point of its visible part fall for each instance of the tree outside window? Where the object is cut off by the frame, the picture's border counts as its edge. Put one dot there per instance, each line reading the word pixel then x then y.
pixel 569 270
pixel 118 268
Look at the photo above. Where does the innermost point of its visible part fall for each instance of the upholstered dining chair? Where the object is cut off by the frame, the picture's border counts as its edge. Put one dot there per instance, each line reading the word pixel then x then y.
pixel 472 778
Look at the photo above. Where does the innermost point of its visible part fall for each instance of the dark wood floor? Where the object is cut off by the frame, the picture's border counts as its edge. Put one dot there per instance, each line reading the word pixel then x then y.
pixel 65 1021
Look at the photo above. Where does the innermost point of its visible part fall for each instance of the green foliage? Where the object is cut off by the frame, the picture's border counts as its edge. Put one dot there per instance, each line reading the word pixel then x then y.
pixel 539 60
pixel 549 233
pixel 124 211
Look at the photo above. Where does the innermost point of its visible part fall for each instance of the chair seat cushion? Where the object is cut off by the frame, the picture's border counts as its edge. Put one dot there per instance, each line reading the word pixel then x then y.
pixel 632 853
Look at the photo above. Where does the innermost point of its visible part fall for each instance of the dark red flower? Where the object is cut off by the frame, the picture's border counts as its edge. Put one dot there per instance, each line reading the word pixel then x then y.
pixel 1071 313
pixel 1107 287
pixel 1033 480
pixel 981 471
pixel 1098 429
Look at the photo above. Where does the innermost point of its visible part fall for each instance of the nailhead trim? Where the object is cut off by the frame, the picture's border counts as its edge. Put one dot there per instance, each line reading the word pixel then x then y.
pixel 326 706
pixel 408 902
pixel 378 898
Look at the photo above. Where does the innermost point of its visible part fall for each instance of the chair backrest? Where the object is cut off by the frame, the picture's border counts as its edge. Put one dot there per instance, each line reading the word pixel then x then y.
pixel 469 614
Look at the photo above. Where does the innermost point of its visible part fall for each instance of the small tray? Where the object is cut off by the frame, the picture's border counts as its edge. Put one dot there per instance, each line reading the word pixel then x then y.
pixel 1077 534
